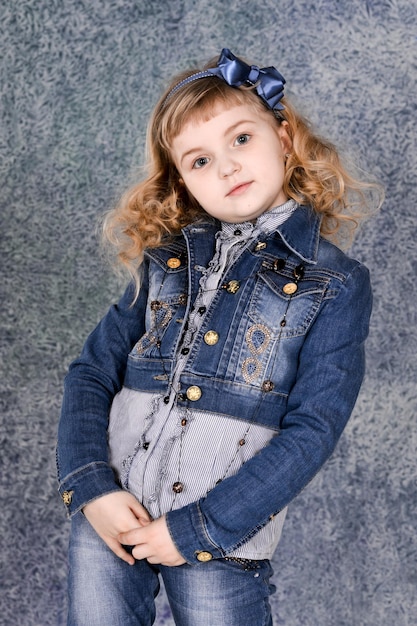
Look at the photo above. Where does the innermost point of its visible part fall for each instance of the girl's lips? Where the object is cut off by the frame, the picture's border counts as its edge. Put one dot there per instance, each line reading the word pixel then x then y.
pixel 238 189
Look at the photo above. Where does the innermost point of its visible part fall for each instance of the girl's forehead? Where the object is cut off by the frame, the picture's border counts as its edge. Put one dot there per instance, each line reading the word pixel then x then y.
pixel 206 113
pixel 222 123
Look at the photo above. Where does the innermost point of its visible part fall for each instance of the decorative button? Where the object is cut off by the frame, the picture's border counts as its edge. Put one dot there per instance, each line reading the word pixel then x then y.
pixel 203 557
pixel 183 422
pixel 237 232
pixel 267 386
pixel 290 288
pixel 166 400
pixel 299 272
pixel 279 264
pixel 194 393
pixel 261 245
pixel 177 487
pixel 233 286
pixel 173 263
pixel 67 497
pixel 202 310
pixel 211 337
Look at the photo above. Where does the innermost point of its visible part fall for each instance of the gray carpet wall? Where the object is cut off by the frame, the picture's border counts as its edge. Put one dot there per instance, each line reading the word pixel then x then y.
pixel 78 79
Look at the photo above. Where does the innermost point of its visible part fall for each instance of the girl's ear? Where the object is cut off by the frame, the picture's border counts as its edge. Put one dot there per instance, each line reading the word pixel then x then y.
pixel 284 136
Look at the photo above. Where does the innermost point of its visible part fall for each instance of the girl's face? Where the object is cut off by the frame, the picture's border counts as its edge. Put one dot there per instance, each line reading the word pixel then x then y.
pixel 234 163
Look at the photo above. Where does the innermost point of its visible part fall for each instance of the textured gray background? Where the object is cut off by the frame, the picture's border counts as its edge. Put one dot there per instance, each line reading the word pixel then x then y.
pixel 78 80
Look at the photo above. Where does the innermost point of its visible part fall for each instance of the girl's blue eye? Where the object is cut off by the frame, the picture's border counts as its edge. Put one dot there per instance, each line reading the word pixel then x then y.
pixel 242 139
pixel 201 162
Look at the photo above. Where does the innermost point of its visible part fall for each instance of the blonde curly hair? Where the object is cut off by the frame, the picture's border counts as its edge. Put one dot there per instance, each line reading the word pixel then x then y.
pixel 160 205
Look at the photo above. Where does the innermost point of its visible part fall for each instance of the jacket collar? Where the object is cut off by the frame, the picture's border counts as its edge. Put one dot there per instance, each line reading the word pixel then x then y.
pixel 301 233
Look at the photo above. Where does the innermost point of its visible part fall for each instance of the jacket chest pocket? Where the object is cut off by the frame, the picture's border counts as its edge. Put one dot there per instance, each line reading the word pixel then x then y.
pixel 165 308
pixel 286 307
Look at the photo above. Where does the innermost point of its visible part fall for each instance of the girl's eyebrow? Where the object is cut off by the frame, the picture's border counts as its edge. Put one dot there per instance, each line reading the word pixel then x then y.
pixel 189 152
pixel 234 126
pixel 228 131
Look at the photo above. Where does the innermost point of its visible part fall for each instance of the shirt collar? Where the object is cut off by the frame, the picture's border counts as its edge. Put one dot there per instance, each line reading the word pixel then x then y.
pixel 266 223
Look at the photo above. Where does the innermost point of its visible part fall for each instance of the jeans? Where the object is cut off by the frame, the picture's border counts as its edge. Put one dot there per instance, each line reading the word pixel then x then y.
pixel 106 591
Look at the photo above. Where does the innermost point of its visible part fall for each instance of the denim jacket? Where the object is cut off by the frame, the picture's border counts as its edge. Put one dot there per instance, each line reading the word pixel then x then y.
pixel 309 303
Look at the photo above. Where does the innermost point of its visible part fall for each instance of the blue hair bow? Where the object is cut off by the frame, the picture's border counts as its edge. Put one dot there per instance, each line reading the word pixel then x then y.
pixel 268 82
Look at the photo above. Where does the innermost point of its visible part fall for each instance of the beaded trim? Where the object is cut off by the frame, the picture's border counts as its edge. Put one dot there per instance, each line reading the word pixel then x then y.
pixel 247 564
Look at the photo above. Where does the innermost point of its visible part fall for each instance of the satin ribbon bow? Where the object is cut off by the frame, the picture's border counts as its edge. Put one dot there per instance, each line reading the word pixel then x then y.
pixel 269 83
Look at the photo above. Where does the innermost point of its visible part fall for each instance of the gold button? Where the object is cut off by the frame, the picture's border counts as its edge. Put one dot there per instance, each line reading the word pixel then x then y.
pixel 194 393
pixel 290 288
pixel 67 497
pixel 233 286
pixel 211 337
pixel 261 245
pixel 173 263
pixel 203 557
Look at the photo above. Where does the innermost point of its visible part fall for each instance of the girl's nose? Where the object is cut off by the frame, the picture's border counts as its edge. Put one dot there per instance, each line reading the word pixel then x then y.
pixel 228 168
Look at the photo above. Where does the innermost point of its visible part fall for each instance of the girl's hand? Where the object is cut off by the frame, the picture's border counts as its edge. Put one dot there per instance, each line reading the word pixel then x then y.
pixel 153 543
pixel 116 513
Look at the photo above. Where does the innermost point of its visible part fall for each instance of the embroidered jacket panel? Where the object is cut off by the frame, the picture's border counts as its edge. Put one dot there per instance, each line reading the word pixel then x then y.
pixel 301 299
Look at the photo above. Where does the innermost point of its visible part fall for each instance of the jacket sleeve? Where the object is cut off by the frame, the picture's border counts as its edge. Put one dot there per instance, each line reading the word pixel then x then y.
pixel 92 382
pixel 330 373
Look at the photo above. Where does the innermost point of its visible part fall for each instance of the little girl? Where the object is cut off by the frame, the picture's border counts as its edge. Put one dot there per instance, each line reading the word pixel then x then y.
pixel 217 387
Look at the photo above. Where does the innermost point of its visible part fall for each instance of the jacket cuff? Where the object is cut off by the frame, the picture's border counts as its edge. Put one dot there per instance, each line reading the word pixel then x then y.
pixel 188 531
pixel 87 484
